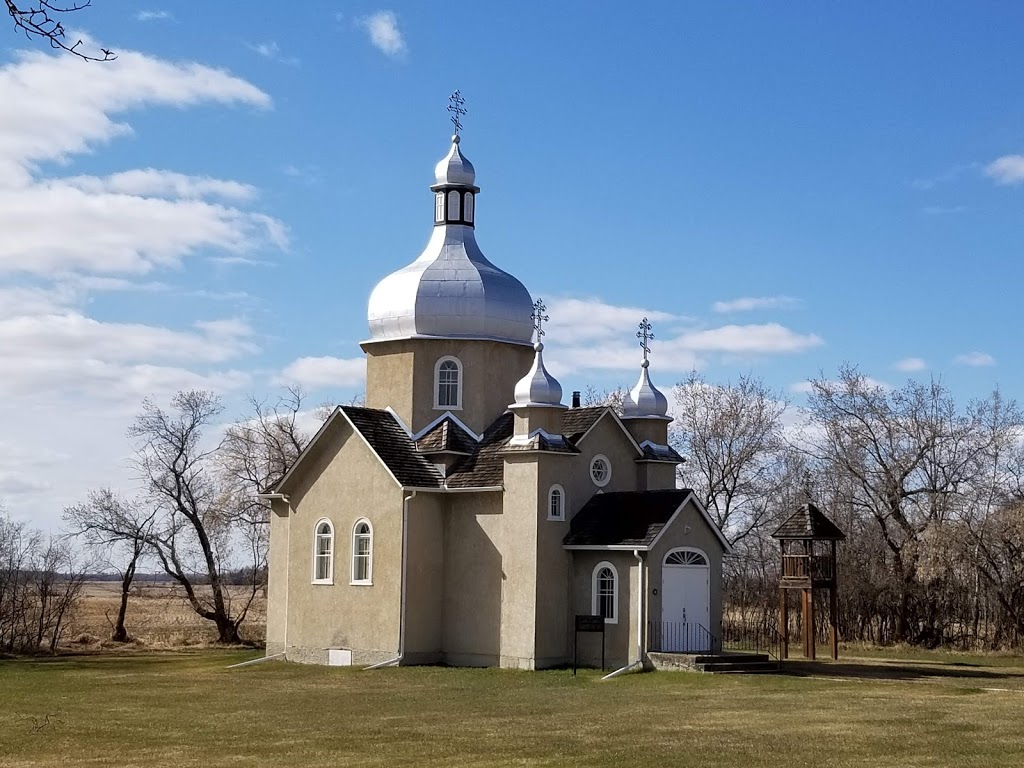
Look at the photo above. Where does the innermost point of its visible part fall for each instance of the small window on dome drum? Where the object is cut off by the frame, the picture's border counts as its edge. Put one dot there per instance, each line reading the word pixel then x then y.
pixel 439 206
pixel 454 208
pixel 469 207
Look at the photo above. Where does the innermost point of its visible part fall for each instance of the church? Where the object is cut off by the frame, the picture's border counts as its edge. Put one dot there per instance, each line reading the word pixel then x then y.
pixel 466 516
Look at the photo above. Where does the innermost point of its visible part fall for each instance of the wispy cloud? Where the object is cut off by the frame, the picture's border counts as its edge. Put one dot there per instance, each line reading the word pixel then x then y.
pixel 324 372
pixel 154 16
pixel 384 33
pixel 750 303
pixel 947 176
pixel 805 387
pixel 910 365
pixel 1008 169
pixel 271 50
pixel 975 359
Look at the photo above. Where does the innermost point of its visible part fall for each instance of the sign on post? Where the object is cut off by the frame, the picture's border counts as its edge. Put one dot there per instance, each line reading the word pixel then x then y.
pixel 585 623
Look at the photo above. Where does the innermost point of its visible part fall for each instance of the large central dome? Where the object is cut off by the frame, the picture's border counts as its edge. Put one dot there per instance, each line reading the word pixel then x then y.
pixel 452 290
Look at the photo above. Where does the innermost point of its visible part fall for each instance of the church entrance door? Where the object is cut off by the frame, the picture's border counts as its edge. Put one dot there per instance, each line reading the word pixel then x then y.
pixel 685 602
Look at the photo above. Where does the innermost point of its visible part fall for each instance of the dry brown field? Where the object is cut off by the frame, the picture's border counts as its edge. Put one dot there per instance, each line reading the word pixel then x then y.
pixel 159 617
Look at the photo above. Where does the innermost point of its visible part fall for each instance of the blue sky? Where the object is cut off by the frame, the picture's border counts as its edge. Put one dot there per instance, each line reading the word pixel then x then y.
pixel 781 187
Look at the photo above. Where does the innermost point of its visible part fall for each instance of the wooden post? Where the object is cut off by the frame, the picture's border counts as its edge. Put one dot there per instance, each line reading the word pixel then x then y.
pixel 784 622
pixel 811 639
pixel 834 604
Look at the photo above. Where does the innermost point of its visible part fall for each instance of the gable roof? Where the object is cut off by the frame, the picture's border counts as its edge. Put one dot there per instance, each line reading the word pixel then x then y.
pixel 446 436
pixel 809 522
pixel 629 519
pixel 388 441
pixel 578 422
pixel 486 467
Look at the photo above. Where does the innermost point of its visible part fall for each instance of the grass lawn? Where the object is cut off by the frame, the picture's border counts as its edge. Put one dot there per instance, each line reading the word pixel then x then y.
pixel 188 710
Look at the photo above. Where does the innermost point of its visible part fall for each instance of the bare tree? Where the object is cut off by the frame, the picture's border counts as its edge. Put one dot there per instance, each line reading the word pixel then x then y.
pixel 40 19
pixel 120 531
pixel 610 397
pixel 193 531
pixel 735 448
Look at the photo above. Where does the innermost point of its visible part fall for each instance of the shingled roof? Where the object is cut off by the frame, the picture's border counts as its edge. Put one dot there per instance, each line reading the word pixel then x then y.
pixel 576 422
pixel 485 468
pixel 624 519
pixel 447 436
pixel 394 447
pixel 809 522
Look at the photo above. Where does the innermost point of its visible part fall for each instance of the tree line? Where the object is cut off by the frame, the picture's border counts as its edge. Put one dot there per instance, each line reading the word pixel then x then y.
pixel 927 489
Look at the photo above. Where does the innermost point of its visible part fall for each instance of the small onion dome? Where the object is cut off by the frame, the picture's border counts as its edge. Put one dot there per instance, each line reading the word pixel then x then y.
pixel 538 387
pixel 454 168
pixel 644 400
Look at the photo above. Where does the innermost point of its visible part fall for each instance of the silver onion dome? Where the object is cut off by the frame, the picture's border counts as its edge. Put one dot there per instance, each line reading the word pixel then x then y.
pixel 454 168
pixel 451 290
pixel 538 387
pixel 644 400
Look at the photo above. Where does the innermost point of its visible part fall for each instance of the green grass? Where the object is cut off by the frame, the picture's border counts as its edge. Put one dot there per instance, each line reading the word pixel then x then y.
pixel 188 710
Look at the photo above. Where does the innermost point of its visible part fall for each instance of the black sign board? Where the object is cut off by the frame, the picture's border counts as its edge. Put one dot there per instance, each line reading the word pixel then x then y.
pixel 586 623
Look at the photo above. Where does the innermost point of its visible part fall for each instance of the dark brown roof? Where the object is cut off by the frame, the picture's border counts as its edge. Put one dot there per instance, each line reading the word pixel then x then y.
pixel 661 453
pixel 809 522
pixel 628 518
pixel 542 442
pixel 394 446
pixel 447 436
pixel 577 421
pixel 486 468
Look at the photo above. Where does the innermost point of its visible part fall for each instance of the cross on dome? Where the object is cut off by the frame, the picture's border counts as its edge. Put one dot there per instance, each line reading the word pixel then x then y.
pixel 539 318
pixel 645 335
pixel 458 111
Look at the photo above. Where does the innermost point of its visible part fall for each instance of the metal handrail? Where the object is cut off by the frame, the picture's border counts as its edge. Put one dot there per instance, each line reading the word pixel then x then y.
pixel 764 638
pixel 680 637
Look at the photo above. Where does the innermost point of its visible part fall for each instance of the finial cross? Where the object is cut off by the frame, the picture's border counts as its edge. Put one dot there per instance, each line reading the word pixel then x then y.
pixel 539 317
pixel 645 335
pixel 455 106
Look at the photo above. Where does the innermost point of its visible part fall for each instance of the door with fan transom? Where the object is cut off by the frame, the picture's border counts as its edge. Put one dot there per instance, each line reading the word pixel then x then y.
pixel 685 601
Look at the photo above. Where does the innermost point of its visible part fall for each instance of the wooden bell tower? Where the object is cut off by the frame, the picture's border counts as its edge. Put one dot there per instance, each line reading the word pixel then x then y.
pixel 808 544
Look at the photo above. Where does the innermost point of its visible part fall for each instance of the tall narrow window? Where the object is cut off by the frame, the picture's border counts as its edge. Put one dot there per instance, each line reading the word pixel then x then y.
pixel 439 206
pixel 556 503
pixel 323 553
pixel 454 211
pixel 362 553
pixel 468 212
pixel 606 593
pixel 448 391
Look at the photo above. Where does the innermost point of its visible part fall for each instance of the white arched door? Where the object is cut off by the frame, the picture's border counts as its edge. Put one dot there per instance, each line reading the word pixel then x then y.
pixel 685 601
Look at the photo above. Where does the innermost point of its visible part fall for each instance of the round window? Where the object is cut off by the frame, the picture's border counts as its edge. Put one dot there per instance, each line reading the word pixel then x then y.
pixel 600 471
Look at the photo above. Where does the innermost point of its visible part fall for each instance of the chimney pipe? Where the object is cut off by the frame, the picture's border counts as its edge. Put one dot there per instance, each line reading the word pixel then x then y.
pixel 576 399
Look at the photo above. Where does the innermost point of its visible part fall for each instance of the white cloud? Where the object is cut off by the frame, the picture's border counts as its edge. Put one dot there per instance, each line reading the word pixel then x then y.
pixel 153 16
pixel 769 338
pixel 910 364
pixel 150 182
pixel 385 35
pixel 748 304
pixel 1008 169
pixel 975 359
pixel 271 50
pixel 324 372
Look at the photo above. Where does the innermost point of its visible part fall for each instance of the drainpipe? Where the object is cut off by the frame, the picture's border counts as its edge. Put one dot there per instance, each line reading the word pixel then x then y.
pixel 401 616
pixel 639 621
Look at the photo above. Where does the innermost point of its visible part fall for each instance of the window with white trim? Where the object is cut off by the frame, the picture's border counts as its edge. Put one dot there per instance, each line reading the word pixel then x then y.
pixel 448 384
pixel 600 470
pixel 362 552
pixel 605 591
pixel 439 206
pixel 453 206
pixel 556 503
pixel 686 557
pixel 323 552
pixel 467 212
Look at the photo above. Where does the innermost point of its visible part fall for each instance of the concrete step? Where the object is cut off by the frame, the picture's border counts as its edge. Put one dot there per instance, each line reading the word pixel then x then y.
pixel 714 662
pixel 739 667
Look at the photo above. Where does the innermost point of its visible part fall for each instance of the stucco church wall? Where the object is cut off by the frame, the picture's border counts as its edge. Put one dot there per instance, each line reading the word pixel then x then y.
pixel 554 566
pixel 343 483
pixel 688 530
pixel 473 579
pixel 277 578
pixel 424 579
pixel 620 638
pixel 519 543
pixel 401 374
pixel 608 439
pixel 655 476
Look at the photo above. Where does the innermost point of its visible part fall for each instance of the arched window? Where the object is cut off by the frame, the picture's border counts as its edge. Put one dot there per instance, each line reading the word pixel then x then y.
pixel 468 213
pixel 556 503
pixel 448 384
pixel 439 206
pixel 686 557
pixel 453 206
pixel 323 552
pixel 600 470
pixel 362 553
pixel 606 593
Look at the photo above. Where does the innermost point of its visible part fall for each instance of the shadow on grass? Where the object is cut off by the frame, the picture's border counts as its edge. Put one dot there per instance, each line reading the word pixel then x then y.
pixel 890 671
